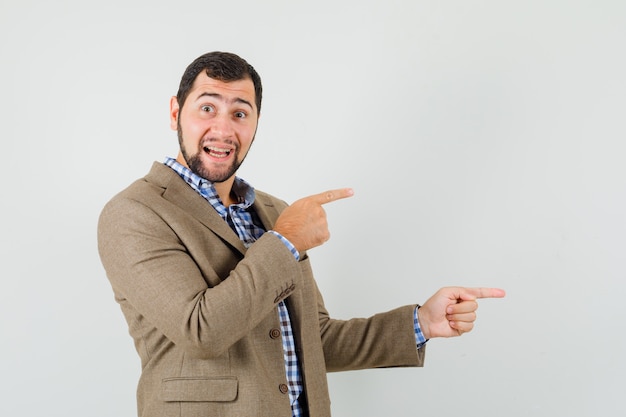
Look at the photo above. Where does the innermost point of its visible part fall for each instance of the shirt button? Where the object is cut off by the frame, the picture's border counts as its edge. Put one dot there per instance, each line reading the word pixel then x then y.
pixel 283 388
pixel 274 333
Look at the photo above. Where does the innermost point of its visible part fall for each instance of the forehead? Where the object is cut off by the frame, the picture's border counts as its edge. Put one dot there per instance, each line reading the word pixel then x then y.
pixel 232 90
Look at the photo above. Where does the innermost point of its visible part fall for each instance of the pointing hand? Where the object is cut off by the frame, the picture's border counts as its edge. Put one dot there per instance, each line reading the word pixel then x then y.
pixel 304 222
pixel 451 311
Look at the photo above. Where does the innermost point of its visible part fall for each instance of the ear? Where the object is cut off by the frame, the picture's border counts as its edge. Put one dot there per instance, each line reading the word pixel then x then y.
pixel 174 113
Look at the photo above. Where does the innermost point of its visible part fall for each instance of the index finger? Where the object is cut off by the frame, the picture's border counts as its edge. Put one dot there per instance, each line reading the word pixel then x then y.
pixel 332 195
pixel 481 293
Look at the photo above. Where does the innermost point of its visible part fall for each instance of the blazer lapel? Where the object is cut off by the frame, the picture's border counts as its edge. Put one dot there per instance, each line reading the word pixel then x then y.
pixel 181 194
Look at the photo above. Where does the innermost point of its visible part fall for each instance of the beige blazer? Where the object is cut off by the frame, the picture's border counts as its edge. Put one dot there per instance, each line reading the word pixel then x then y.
pixel 201 308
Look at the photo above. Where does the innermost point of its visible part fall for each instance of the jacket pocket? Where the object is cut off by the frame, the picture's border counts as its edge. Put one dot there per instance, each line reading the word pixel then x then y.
pixel 199 389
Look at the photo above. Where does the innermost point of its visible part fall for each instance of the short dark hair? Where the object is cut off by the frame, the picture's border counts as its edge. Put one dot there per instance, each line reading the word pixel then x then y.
pixel 223 66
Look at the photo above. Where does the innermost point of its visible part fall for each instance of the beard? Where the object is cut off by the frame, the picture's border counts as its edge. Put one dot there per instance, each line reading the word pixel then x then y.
pixel 195 164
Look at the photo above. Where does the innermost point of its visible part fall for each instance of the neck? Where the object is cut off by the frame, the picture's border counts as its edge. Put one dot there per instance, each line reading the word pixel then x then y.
pixel 224 190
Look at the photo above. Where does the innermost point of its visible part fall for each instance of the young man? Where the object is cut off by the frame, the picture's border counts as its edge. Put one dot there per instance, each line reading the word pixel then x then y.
pixel 214 279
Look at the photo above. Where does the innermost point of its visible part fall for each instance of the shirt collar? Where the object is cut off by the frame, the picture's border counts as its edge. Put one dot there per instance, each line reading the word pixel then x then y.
pixel 241 189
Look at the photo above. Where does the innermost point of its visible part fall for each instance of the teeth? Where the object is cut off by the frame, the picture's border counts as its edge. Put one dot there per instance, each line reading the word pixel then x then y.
pixel 217 152
pixel 216 149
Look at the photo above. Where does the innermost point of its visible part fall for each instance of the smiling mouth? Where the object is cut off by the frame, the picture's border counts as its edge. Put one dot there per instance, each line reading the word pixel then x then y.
pixel 216 152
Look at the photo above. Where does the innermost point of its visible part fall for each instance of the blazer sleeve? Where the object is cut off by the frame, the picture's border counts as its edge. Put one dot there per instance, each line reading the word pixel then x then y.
pixel 384 340
pixel 152 271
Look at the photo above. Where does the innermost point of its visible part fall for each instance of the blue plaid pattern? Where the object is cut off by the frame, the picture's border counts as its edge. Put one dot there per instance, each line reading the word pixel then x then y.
pixel 292 368
pixel 419 336
pixel 247 225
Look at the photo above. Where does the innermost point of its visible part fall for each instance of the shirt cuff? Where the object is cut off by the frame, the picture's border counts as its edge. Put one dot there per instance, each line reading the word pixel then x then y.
pixel 292 248
pixel 420 340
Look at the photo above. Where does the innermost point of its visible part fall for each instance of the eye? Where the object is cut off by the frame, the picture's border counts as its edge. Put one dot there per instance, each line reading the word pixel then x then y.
pixel 207 108
pixel 240 115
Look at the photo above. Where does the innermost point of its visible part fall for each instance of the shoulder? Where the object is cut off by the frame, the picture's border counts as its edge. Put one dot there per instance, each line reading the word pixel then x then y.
pixel 156 181
pixel 147 191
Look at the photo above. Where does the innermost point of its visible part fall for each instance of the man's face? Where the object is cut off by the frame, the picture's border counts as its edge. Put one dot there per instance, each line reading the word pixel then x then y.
pixel 216 126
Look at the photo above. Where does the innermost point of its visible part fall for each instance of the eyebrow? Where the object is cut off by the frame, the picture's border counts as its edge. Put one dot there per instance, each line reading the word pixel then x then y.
pixel 220 97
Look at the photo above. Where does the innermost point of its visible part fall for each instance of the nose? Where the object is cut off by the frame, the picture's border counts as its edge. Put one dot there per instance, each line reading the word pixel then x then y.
pixel 222 127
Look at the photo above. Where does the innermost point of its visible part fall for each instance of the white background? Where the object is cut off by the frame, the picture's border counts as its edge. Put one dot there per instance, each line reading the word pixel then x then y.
pixel 484 140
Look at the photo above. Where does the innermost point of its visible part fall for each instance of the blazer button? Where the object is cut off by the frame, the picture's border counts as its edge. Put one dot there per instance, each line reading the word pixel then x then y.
pixel 274 333
pixel 283 388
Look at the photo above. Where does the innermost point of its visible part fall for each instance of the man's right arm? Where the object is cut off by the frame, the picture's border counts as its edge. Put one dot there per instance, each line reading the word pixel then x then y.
pixel 166 280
